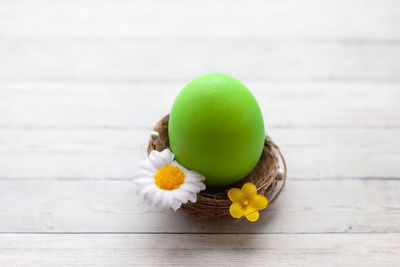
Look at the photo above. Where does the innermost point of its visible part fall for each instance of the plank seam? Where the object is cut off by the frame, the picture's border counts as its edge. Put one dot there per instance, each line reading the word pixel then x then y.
pixel 123 128
pixel 185 81
pixel 128 179
pixel 195 233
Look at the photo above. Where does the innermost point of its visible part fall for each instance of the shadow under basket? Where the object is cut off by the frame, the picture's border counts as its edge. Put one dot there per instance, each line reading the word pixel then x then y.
pixel 269 176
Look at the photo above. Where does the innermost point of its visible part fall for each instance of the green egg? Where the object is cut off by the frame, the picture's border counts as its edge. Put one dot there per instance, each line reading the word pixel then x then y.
pixel 217 129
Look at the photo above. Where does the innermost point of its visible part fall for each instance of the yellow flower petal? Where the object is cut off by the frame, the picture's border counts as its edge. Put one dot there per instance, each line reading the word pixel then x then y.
pixel 236 210
pixel 235 195
pixel 259 202
pixel 250 189
pixel 252 214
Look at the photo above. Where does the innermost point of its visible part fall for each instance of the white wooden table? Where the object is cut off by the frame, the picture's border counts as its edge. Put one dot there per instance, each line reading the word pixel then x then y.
pixel 83 82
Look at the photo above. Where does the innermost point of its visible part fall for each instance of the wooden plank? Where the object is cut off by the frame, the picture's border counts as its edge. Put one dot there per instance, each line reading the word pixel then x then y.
pixel 133 105
pixel 201 250
pixel 306 206
pixel 146 60
pixel 113 153
pixel 353 19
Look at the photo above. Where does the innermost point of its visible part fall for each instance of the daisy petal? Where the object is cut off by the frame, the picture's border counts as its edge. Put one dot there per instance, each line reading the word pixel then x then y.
pixel 175 163
pixel 195 175
pixel 190 187
pixel 166 199
pixel 159 206
pixel 148 196
pixel 176 205
pixel 167 156
pixel 202 186
pixel 156 197
pixel 197 186
pixel 144 180
pixel 156 160
pixel 144 172
pixel 146 165
pixel 193 179
pixel 181 195
pixel 192 197
pixel 144 189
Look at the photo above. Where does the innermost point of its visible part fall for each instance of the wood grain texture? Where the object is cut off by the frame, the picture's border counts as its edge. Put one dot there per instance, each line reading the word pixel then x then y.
pixel 66 105
pixel 83 82
pixel 351 206
pixel 138 41
pixel 200 250
pixel 113 153
pixel 102 19
pixel 147 60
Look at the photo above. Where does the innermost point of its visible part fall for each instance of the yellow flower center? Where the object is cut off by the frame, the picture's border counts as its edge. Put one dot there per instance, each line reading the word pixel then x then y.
pixel 245 203
pixel 169 177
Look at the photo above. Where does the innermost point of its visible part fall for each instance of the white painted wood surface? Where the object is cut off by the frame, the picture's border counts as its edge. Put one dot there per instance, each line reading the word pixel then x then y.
pixel 308 206
pixel 83 105
pixel 83 82
pixel 201 250
pixel 112 153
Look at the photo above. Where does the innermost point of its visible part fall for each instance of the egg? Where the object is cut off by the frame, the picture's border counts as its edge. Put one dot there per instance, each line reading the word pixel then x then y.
pixel 216 128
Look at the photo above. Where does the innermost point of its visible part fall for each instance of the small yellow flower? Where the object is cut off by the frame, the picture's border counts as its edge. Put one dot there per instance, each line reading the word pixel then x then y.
pixel 246 202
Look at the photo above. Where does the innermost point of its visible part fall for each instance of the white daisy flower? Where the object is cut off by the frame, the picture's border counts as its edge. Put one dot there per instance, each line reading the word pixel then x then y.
pixel 164 183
